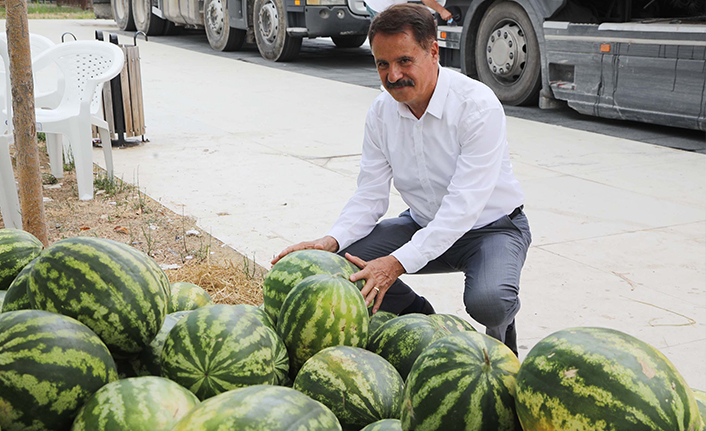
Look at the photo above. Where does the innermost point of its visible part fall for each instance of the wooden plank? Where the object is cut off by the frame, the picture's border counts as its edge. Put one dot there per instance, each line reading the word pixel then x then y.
pixel 140 127
pixel 133 91
pixel 127 106
pixel 108 108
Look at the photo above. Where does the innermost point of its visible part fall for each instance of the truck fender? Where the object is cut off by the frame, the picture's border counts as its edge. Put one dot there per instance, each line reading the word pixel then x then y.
pixel 240 12
pixel 537 11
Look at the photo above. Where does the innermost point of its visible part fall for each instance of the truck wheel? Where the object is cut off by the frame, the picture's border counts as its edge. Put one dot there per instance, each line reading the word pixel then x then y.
pixel 507 54
pixel 349 41
pixel 145 20
pixel 221 36
pixel 122 14
pixel 273 42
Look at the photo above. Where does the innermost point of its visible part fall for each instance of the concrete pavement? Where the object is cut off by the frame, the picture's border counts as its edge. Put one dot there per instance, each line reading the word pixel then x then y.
pixel 264 158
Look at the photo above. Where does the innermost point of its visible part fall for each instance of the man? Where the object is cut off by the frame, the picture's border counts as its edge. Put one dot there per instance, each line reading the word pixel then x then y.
pixel 440 137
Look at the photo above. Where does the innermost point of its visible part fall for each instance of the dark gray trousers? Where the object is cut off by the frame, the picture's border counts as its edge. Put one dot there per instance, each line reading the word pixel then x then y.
pixel 491 257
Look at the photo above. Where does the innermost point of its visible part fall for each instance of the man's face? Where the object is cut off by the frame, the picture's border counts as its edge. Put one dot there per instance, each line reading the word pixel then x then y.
pixel 407 71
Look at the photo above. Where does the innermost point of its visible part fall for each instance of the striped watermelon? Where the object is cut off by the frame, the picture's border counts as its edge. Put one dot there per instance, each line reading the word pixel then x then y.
pixel 261 407
pixel 136 404
pixel 701 401
pixel 599 378
pixel 378 319
pixel 17 249
pixel 463 381
pixel 218 348
pixel 358 386
pixel 297 266
pixel 401 340
pixel 114 289
pixel 149 361
pixel 17 297
pixel 49 366
pixel 452 323
pixel 321 311
pixel 187 296
pixel 384 425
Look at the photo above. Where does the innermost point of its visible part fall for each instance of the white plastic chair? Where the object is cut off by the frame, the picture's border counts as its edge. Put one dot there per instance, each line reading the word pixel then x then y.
pixel 85 66
pixel 48 95
pixel 9 203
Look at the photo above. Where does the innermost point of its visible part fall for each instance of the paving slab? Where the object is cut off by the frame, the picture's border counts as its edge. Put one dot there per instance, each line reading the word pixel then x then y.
pixel 264 158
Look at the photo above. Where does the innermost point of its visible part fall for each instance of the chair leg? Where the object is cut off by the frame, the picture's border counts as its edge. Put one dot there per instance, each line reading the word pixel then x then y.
pixel 55 150
pixel 107 150
pixel 9 202
pixel 82 148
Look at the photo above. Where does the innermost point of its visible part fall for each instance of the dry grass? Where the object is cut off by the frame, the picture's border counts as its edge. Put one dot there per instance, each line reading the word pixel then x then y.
pixel 123 213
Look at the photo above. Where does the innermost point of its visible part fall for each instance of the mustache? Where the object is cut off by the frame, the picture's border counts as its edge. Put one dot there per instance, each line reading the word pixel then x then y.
pixel 399 84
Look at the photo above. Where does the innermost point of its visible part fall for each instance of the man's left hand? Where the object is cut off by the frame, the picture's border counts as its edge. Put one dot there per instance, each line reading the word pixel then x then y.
pixel 379 275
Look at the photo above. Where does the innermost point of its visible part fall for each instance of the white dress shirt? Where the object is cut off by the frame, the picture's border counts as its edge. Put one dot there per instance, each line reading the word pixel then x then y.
pixel 451 166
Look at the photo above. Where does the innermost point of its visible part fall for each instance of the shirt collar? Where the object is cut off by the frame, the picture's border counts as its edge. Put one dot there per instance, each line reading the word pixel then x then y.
pixel 437 101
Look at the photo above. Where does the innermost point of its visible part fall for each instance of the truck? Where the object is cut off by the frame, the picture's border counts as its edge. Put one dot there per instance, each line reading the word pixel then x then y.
pixel 640 60
pixel 277 27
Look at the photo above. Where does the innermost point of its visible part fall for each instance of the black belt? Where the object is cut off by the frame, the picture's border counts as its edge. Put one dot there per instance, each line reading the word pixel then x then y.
pixel 516 211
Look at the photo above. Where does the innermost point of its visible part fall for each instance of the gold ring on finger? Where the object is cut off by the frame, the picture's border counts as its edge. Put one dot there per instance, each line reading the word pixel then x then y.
pixel 376 289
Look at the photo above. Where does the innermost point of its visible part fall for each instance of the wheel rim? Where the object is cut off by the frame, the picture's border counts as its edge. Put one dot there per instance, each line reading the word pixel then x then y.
pixel 268 21
pixel 215 17
pixel 121 8
pixel 506 52
pixel 141 11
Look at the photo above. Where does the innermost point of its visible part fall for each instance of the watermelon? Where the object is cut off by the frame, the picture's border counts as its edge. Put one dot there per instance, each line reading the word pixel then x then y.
pixel 218 348
pixel 321 311
pixel 384 425
pixel 378 319
pixel 187 296
pixel 17 249
pixel 452 323
pixel 148 361
pixel 295 267
pixel 599 378
pixel 49 366
pixel 701 401
pixel 462 381
pixel 358 386
pixel 114 289
pixel 401 340
pixel 260 407
pixel 137 404
pixel 17 296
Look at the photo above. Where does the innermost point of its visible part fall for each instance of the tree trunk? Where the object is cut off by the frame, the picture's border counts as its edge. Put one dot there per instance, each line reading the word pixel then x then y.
pixel 25 129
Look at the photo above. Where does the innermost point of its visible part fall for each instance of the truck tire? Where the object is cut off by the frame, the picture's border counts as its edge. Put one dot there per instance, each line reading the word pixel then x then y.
pixel 507 54
pixel 349 41
pixel 221 36
pixel 270 22
pixel 122 14
pixel 145 20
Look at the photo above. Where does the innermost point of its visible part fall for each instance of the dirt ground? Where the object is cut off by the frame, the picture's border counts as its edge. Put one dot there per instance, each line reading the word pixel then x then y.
pixel 121 212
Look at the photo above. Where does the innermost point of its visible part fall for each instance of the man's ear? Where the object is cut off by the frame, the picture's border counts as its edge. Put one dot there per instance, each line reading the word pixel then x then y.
pixel 434 51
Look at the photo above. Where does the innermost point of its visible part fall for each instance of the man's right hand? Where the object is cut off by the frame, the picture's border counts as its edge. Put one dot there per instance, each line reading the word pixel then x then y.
pixel 327 243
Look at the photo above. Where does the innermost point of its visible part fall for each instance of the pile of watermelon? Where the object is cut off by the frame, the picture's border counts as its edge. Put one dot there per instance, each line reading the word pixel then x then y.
pixel 94 337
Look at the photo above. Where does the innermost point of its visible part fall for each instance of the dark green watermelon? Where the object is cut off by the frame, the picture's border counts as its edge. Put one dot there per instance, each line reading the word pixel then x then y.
pixel 358 386
pixel 17 296
pixel 262 407
pixel 17 249
pixel 49 366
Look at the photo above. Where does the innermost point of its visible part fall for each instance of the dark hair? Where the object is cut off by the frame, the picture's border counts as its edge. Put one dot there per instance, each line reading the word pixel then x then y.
pixel 402 17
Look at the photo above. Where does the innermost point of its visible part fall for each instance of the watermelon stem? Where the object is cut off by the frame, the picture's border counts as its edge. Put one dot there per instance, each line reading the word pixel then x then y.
pixel 487 359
